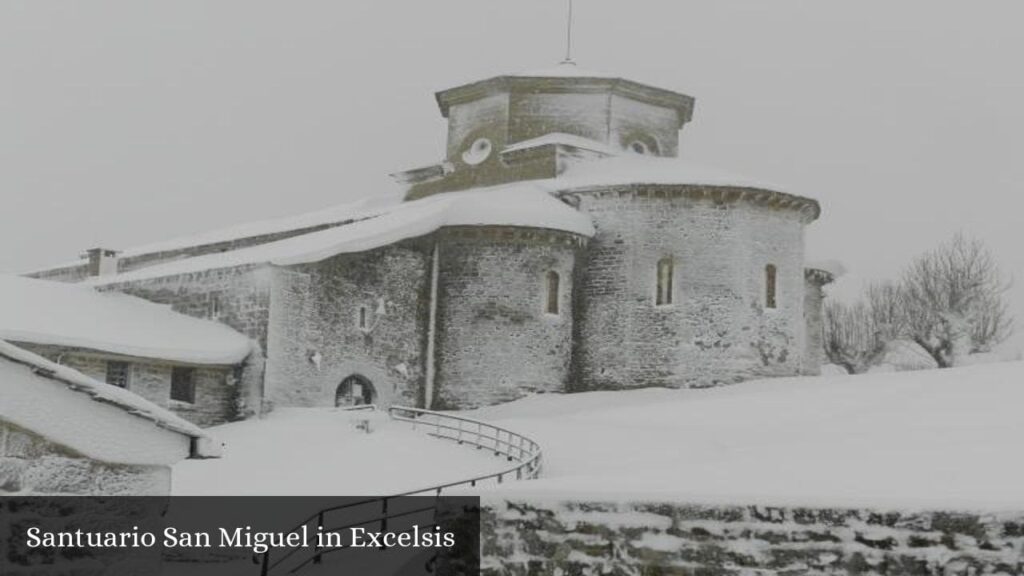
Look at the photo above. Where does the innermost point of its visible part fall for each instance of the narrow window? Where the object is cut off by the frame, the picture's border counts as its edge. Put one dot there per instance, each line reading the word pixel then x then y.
pixel 215 306
pixel 664 296
pixel 117 373
pixel 770 300
pixel 362 318
pixel 183 384
pixel 554 280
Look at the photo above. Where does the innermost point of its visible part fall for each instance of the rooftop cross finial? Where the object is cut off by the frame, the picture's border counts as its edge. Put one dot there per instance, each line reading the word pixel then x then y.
pixel 568 38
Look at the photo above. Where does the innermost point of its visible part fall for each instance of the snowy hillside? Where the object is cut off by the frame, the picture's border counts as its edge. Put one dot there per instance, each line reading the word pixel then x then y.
pixel 949 438
pixel 937 438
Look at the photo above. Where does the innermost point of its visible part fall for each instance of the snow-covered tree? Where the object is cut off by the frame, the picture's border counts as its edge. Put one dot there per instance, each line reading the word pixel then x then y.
pixel 953 301
pixel 857 335
pixel 950 302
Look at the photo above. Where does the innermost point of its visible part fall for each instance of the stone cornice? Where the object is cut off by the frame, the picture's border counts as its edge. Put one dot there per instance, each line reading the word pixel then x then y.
pixel 682 103
pixel 809 208
pixel 513 235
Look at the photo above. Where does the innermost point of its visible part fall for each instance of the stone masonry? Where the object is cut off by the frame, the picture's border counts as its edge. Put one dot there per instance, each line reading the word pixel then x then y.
pixel 316 341
pixel 718 329
pixel 496 341
pixel 30 463
pixel 535 537
pixel 216 387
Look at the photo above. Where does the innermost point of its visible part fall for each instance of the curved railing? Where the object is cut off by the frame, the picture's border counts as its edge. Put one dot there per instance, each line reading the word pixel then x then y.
pixel 523 452
pixel 503 442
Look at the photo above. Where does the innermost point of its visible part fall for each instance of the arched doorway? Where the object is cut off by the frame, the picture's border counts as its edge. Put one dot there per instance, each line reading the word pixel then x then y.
pixel 354 391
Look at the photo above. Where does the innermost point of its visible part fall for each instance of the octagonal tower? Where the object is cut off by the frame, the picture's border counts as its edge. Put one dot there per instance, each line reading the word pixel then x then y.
pixel 498 127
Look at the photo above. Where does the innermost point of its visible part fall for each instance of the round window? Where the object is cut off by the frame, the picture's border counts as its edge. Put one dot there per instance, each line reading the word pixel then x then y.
pixel 478 151
pixel 638 147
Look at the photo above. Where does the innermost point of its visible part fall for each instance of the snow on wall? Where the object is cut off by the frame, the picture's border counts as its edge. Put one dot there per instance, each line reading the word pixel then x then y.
pixel 717 329
pixel 315 338
pixel 496 342
pixel 522 536
pixel 58 314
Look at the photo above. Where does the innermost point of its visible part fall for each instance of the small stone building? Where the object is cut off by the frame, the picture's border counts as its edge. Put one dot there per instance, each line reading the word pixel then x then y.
pixel 560 245
pixel 189 366
pixel 62 433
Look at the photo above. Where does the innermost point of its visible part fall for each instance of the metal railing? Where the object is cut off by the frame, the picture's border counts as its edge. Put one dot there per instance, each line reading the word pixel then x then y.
pixel 524 453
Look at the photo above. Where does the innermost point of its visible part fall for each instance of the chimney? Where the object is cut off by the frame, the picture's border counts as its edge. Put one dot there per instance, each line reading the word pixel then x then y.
pixel 102 261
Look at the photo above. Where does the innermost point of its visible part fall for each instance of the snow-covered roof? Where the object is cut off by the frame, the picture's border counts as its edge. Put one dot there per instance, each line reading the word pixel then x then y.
pixel 525 204
pixel 27 402
pixel 363 208
pixel 61 314
pixel 632 168
pixel 563 139
pixel 833 267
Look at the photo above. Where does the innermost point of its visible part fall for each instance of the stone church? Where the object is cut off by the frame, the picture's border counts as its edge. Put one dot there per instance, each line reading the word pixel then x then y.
pixel 560 246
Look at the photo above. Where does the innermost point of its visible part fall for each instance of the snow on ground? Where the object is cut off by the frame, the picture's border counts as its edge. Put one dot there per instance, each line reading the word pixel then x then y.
pixel 318 452
pixel 938 438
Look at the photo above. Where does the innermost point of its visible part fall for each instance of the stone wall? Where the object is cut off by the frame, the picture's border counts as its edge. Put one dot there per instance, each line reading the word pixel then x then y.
pixel 68 514
pixel 238 297
pixel 216 391
pixel 495 340
pixel 32 464
pixel 717 330
pixel 316 341
pixel 632 120
pixel 814 318
pixel 532 537
pixel 533 114
pixel 483 118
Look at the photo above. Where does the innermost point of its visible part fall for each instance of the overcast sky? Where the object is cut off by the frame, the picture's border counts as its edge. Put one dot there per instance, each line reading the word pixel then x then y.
pixel 127 122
